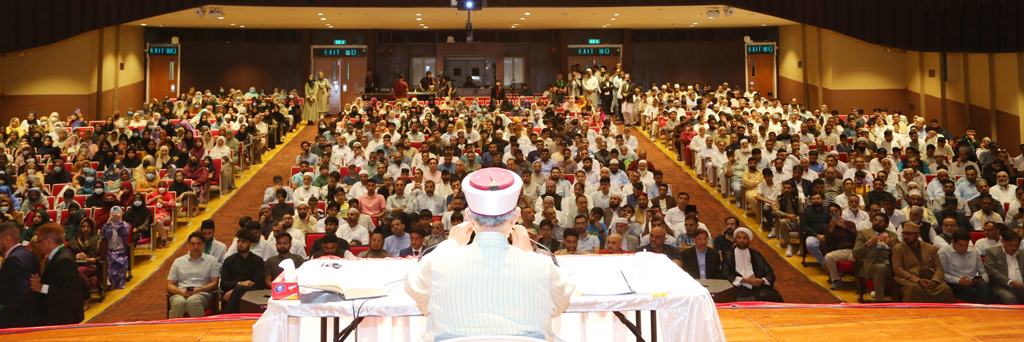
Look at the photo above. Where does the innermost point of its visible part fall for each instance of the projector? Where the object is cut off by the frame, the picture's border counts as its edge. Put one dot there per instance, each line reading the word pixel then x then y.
pixel 469 5
pixel 713 12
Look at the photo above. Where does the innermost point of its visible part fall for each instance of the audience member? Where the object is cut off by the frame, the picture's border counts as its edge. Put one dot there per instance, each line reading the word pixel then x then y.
pixel 748 271
pixel 192 278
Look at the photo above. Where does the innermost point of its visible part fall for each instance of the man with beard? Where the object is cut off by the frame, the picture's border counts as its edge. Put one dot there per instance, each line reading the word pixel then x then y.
pixel 211 246
pixel 874 248
pixel 748 271
pixel 982 190
pixel 273 268
pixel 814 221
pixel 985 214
pixel 241 272
pixel 550 190
pixel 1003 191
pixel 656 244
pixel 593 175
pixel 787 209
pixel 918 269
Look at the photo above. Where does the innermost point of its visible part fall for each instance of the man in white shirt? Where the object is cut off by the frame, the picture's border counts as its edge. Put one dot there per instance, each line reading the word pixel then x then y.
pixel 211 246
pixel 852 213
pixel 428 199
pixel 454 286
pixel 993 238
pixel 352 231
pixel 1003 191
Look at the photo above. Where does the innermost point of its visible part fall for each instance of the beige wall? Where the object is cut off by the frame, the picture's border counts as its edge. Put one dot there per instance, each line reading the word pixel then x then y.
pixel 856 73
pixel 62 77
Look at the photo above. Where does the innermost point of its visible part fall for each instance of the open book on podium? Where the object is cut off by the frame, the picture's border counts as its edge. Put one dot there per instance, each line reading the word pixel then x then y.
pixel 596 282
pixel 346 278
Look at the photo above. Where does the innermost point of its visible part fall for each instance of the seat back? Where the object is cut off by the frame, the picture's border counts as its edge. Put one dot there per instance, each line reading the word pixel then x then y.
pixel 358 249
pixel 310 239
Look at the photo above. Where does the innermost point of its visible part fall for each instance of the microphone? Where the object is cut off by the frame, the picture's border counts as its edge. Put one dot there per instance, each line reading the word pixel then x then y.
pixel 428 250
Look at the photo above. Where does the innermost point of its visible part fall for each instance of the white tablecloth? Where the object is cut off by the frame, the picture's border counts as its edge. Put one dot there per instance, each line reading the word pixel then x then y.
pixel 685 312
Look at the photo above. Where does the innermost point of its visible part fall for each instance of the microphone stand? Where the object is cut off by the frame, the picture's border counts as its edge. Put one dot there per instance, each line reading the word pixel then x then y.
pixel 538 244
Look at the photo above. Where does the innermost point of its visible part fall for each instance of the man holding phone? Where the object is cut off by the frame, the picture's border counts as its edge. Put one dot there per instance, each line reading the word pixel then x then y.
pixel 192 279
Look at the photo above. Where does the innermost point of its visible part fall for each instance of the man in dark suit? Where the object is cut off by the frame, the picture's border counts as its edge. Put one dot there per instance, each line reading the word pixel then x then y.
pixel 59 290
pixel 748 271
pixel 1006 288
pixel 17 305
pixel 371 82
pixel 701 261
pixel 497 92
pixel 799 183
pixel 415 244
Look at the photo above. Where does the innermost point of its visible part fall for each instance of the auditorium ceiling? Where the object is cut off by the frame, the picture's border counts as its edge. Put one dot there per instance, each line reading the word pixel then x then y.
pixel 653 17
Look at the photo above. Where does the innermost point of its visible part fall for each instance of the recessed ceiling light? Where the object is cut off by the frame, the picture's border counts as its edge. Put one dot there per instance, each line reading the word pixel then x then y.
pixel 418 14
pixel 323 18
pixel 616 14
pixel 605 26
pixel 319 14
pixel 242 26
pixel 220 17
pixel 691 25
pixel 232 24
pixel 421 24
pixel 419 18
pixel 527 13
pixel 143 24
pixel 695 23
pixel 426 27
pixel 613 18
pixel 764 24
pixel 522 18
pixel 513 26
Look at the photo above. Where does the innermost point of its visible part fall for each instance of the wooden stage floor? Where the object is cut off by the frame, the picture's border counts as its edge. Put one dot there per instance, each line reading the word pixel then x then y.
pixel 741 324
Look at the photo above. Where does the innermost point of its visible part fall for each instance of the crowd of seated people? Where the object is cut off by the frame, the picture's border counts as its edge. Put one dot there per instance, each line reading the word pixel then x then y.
pixel 115 187
pixel 901 198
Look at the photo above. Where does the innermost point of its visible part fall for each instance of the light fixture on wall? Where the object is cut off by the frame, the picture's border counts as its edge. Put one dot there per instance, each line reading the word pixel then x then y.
pixel 713 12
pixel 217 13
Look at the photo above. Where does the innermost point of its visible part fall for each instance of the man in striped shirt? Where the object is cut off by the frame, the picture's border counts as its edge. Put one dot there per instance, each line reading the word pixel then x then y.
pixel 489 287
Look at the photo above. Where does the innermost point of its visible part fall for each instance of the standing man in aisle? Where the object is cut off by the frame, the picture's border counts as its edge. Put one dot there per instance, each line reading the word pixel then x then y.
pixel 401 90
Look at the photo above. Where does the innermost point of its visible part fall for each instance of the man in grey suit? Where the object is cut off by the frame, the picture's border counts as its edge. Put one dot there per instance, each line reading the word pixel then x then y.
pixel 1005 267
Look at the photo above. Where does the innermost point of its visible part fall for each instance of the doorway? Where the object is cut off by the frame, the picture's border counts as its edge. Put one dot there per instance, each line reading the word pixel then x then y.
pixel 347 78
pixel 761 72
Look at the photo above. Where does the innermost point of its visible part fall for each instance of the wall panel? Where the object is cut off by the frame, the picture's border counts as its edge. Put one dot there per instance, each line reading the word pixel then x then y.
pixel 240 65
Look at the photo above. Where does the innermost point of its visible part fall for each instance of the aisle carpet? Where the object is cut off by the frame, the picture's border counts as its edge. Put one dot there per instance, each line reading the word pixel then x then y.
pixel 794 286
pixel 148 301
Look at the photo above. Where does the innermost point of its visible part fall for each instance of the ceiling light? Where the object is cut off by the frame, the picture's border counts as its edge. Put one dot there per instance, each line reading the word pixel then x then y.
pixel 513 26
pixel 323 18
pixel 232 24
pixel 605 26
pixel 527 13
pixel 425 27
pixel 695 23
pixel 764 24
pixel 418 14
pixel 522 18
pixel 143 24
pixel 242 26
pixel 421 24
pixel 419 18
pixel 691 25
pixel 613 18
pixel 319 14
pixel 616 14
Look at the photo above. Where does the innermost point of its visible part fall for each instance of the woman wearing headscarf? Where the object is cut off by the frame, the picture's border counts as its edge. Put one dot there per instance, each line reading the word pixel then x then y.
pixel 208 140
pixel 7 208
pixel 198 150
pixel 114 177
pixel 71 220
pixel 87 184
pixel 88 246
pixel 29 121
pixel 150 148
pixel 147 182
pixel 33 197
pixel 131 158
pixel 95 200
pixel 116 232
pixel 200 176
pixel 39 218
pixel 58 174
pixel 140 172
pixel 163 158
pixel 163 201
pixel 141 220
pixel 310 98
pixel 125 193
pixel 223 153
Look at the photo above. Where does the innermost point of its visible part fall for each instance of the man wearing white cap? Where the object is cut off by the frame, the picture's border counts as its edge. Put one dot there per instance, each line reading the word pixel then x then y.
pixel 488 287
pixel 306 190
pixel 748 271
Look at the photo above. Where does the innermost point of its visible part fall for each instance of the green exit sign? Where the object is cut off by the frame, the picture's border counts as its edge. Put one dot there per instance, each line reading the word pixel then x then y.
pixel 593 41
pixel 339 42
